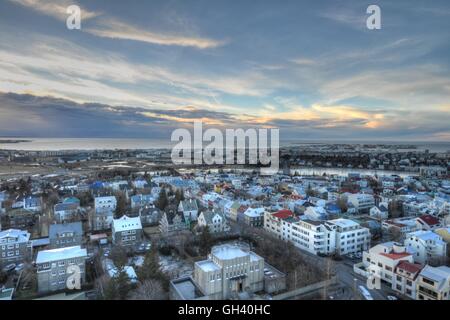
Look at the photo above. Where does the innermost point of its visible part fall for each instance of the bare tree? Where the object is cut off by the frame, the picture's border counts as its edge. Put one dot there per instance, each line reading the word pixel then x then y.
pixel 151 289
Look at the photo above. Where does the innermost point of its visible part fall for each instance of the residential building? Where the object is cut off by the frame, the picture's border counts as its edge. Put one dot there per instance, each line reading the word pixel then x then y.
pixel 15 246
pixel 141 200
pixel 427 247
pixel 214 220
pixel 108 203
pixel 351 237
pixel 54 267
pixel 405 278
pixel 362 202
pixel 433 283
pixel 104 213
pixel 171 223
pixel 379 212
pixel 189 209
pixel 253 217
pixel 382 260
pixel 32 204
pixel 65 235
pixel 127 231
pixel 428 222
pixel 66 211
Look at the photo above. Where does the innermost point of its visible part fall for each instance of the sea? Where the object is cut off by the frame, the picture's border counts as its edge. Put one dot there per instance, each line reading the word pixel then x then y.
pixel 56 144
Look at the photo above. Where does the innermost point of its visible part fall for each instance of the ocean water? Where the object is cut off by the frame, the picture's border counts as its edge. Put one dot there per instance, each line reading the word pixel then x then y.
pixel 54 144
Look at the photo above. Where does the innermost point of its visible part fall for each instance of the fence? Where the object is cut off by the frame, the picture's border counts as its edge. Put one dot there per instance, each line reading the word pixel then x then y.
pixel 305 290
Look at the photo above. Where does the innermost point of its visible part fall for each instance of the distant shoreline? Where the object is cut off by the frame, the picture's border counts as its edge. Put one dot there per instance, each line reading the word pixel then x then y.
pixel 13 141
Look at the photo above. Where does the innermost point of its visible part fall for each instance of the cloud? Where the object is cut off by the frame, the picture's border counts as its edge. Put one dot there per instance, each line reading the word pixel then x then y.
pixel 115 29
pixel 27 115
pixel 56 9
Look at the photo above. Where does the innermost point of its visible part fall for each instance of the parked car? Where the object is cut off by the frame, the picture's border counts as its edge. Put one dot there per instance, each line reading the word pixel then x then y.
pixel 9 267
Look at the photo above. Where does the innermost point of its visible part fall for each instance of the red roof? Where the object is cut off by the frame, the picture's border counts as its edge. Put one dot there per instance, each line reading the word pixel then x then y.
pixel 429 220
pixel 396 256
pixel 283 214
pixel 410 267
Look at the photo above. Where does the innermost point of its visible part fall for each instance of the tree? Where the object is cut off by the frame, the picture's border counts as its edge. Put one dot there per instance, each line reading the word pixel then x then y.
pixel 205 241
pixel 342 203
pixel 179 195
pixel 149 290
pixel 395 209
pixel 395 234
pixel 119 256
pixel 162 199
pixel 150 268
pixel 123 285
pixel 121 205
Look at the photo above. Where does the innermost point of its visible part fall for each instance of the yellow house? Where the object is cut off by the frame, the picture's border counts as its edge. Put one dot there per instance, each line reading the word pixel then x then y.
pixel 444 233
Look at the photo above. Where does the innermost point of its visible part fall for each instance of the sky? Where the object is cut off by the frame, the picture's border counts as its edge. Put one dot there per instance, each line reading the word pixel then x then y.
pixel 144 68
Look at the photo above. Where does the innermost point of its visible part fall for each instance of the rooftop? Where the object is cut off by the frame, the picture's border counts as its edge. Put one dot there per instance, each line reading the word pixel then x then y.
pixel 227 252
pixel 60 254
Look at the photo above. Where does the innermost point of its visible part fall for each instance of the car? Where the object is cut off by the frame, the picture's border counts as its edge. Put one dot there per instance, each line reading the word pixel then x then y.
pixel 20 267
pixel 392 298
pixel 365 293
pixel 9 267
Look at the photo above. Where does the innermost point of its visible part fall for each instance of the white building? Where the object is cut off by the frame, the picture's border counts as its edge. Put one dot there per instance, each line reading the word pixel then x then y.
pixel 351 237
pixel 427 247
pixel 405 279
pixel 434 283
pixel 108 203
pixel 362 202
pixel 127 231
pixel 340 236
pixel 214 220
pixel 54 267
pixel 228 272
pixel 382 260
pixel 15 246
pixel 379 212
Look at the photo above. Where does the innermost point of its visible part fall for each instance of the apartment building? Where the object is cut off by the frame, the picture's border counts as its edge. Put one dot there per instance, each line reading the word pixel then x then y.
pixel 405 278
pixel 66 211
pixel 108 203
pixel 342 236
pixel 65 235
pixel 53 267
pixel 433 283
pixel 383 259
pixel 314 236
pixel 351 237
pixel 15 246
pixel 427 247
pixel 362 202
pixel 127 231
pixel 104 213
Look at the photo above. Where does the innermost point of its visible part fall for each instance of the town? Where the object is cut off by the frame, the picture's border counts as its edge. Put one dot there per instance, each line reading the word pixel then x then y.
pixel 130 225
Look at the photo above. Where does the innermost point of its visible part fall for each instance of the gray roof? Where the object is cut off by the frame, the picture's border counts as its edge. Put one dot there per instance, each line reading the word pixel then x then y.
pixel 74 227
pixel 209 215
pixel 189 205
pixel 66 206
